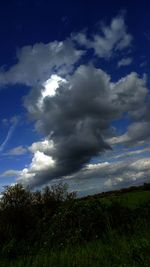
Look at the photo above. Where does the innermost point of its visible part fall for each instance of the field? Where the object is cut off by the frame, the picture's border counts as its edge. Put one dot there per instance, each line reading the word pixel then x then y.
pixel 111 229
pixel 131 199
pixel 116 251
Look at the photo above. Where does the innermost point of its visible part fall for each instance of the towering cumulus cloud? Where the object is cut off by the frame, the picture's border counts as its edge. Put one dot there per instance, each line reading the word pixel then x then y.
pixel 75 116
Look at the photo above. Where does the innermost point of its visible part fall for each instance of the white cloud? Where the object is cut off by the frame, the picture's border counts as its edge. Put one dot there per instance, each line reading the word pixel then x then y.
pixel 51 85
pixel 131 172
pixel 40 162
pixel 131 153
pixel 38 62
pixel 129 92
pixel 19 150
pixel 110 39
pixel 42 146
pixel 125 61
pixel 111 175
pixel 10 173
pixel 101 165
pixel 138 133
pixel 49 88
pixel 93 177
pixel 141 164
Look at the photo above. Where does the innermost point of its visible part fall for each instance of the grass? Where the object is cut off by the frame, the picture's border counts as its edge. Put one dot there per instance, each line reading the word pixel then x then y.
pixel 135 199
pixel 130 199
pixel 114 250
pixel 117 247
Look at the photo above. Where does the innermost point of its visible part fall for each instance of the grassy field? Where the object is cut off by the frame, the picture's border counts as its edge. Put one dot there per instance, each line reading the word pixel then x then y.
pixel 97 231
pixel 115 250
pixel 132 199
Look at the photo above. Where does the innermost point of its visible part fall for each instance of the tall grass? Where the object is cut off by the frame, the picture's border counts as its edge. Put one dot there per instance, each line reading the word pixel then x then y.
pixel 96 231
pixel 134 199
pixel 113 250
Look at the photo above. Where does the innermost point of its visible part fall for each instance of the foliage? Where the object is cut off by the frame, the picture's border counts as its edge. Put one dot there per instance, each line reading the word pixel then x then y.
pixel 117 250
pixel 50 221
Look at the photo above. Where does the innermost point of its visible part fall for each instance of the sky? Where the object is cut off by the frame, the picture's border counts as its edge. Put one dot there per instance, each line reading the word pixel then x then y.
pixel 74 94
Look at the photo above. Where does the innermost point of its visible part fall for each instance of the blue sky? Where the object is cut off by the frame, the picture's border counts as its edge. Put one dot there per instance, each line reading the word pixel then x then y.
pixel 74 94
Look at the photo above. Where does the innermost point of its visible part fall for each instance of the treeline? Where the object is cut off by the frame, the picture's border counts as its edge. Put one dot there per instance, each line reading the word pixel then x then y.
pixel 54 218
pixel 25 217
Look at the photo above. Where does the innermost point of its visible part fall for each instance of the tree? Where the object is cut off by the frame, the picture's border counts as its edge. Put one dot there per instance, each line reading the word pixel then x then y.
pixel 16 210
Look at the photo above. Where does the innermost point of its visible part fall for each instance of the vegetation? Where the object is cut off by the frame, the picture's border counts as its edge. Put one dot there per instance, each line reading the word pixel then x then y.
pixel 53 228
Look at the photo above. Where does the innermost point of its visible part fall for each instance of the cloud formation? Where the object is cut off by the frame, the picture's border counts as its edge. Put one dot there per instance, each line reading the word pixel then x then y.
pixel 40 164
pixel 76 119
pixel 127 170
pixel 109 40
pixel 106 176
pixel 126 173
pixel 125 62
pixel 138 133
pixel 35 63
pixel 19 150
pixel 73 106
pixel 10 173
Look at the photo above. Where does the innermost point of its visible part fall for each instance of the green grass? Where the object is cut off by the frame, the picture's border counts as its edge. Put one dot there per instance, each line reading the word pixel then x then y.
pixel 118 246
pixel 131 199
pixel 115 250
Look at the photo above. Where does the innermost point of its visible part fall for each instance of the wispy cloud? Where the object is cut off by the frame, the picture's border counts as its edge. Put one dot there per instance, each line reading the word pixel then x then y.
pixel 125 62
pixel 14 121
pixel 9 173
pixel 109 40
pixel 19 150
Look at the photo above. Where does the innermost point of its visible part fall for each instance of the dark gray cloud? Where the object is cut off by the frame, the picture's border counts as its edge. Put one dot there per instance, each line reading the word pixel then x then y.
pixel 77 119
pixel 74 119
